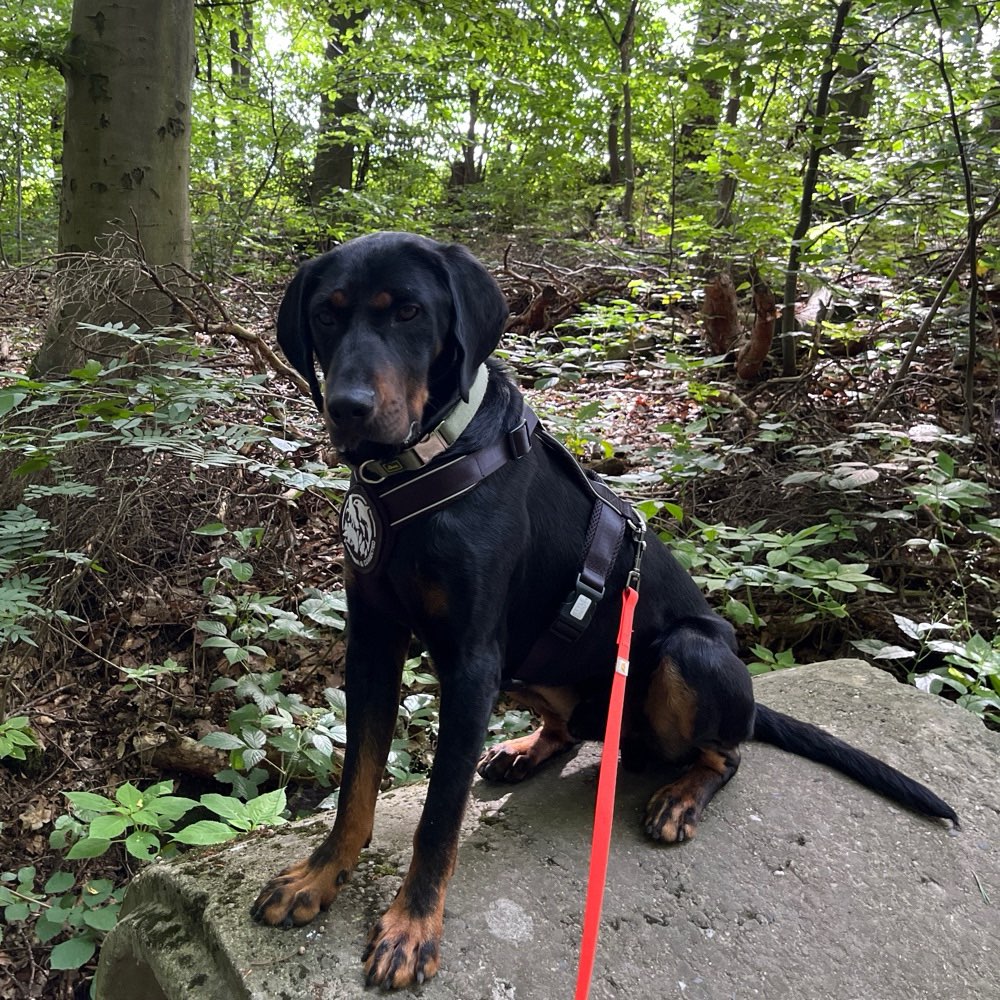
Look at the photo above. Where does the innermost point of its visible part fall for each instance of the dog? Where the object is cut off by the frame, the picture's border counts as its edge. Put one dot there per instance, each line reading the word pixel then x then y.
pixel 483 564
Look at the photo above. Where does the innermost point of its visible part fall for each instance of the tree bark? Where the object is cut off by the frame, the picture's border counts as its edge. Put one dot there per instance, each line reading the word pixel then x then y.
pixel 465 170
pixel 333 166
pixel 614 145
pixel 809 190
pixel 125 167
pixel 628 158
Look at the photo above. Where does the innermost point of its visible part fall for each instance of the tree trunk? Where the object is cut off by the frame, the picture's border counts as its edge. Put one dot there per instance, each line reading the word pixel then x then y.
pixel 333 166
pixel 853 103
pixel 614 145
pixel 808 191
pixel 628 159
pixel 126 144
pixel 725 191
pixel 703 105
pixel 465 170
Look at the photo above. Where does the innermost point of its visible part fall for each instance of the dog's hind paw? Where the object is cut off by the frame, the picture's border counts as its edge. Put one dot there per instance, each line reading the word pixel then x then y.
pixel 670 817
pixel 515 760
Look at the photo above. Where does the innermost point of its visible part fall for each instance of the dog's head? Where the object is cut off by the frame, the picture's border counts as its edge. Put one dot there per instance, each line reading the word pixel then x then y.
pixel 398 325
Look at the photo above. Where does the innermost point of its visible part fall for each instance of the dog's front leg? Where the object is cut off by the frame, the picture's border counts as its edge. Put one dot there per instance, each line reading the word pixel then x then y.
pixel 403 947
pixel 376 649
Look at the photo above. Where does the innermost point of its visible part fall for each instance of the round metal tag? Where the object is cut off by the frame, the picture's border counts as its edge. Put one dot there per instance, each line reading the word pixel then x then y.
pixel 361 530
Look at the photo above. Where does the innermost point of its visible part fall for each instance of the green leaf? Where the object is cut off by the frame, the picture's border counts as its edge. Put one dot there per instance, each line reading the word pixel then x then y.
pixel 211 627
pixel 103 919
pixel 142 845
pixel 129 796
pixel 109 826
pixel 60 882
pixel 90 801
pixel 226 806
pixel 222 741
pixel 213 529
pixel 73 953
pixel 256 738
pixel 9 399
pixel 205 832
pixel 49 925
pixel 96 891
pixel 267 808
pixel 219 642
pixel 172 806
pixel 89 847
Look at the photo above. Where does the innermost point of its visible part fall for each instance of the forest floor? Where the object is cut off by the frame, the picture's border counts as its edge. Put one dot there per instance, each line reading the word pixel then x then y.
pixel 626 386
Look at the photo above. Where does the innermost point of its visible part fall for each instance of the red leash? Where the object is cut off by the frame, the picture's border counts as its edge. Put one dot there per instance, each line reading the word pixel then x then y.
pixel 604 813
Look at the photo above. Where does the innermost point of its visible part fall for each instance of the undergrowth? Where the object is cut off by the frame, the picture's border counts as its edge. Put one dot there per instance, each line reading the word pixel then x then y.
pixel 173 500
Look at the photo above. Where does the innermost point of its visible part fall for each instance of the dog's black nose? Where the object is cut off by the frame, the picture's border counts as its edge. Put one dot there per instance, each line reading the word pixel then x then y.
pixel 351 406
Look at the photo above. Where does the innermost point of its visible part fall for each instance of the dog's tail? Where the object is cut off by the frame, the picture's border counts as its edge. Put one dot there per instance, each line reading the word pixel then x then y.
pixel 806 740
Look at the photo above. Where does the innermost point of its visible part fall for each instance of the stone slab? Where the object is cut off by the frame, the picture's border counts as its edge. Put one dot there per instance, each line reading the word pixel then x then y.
pixel 800 884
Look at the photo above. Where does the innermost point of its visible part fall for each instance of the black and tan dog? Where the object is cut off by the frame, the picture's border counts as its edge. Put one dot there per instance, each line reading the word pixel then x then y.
pixel 401 329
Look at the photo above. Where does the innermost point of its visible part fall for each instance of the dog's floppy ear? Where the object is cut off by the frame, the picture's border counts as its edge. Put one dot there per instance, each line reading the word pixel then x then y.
pixel 480 311
pixel 293 328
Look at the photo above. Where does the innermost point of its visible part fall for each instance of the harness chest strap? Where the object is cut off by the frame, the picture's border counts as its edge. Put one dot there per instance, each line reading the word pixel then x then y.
pixel 438 485
pixel 375 507
pixel 372 509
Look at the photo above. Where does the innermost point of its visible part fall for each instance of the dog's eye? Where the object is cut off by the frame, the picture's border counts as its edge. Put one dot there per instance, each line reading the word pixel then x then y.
pixel 325 316
pixel 407 312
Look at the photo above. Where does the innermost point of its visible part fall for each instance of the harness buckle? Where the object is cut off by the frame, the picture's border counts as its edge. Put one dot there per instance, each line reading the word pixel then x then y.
pixel 519 440
pixel 577 610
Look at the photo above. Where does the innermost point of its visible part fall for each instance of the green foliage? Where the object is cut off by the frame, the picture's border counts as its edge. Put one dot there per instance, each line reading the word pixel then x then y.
pixel 160 421
pixel 972 670
pixel 146 823
pixel 765 660
pixel 85 911
pixel 279 730
pixel 16 738
pixel 421 86
pixel 740 561
pixel 136 819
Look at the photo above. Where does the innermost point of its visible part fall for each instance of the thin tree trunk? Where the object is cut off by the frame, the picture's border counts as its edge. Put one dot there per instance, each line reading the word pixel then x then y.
pixel 725 192
pixel 628 158
pixel 614 145
pixel 333 165
pixel 809 190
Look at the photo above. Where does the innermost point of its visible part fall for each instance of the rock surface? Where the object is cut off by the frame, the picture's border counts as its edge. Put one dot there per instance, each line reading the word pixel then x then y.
pixel 800 884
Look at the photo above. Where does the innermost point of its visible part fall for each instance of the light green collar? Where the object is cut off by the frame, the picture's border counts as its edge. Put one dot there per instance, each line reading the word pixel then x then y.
pixel 435 442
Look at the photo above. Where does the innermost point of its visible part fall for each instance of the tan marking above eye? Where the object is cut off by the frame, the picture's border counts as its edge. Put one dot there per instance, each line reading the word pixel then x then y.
pixel 381 300
pixel 339 298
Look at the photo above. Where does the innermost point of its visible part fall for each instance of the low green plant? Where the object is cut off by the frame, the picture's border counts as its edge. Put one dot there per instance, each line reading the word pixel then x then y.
pixel 742 561
pixel 87 911
pixel 279 731
pixel 16 738
pixel 972 670
pixel 147 825
pixel 763 660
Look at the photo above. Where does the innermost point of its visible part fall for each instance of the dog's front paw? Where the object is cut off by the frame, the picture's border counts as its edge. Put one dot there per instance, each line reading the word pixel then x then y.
pixel 294 896
pixel 402 949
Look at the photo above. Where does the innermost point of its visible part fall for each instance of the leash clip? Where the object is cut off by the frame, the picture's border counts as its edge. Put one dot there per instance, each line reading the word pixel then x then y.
pixel 638 527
